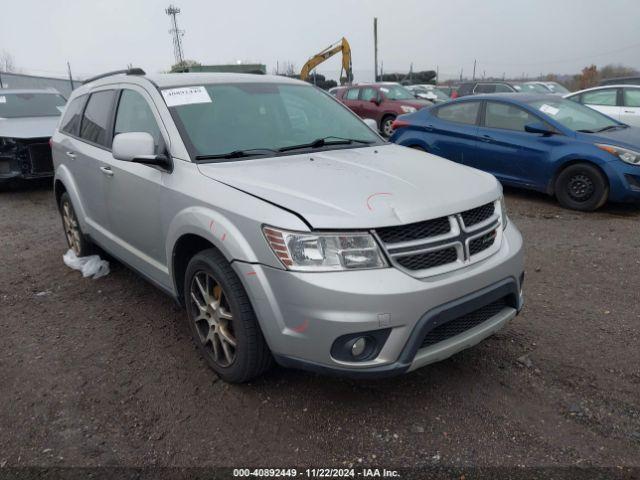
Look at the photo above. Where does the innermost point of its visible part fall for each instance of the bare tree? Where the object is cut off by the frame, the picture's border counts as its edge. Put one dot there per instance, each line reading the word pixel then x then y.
pixel 7 63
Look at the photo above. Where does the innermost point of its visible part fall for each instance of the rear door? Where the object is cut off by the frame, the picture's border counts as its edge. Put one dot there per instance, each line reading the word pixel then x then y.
pixel 134 191
pixel 630 113
pixel 92 154
pixel 453 131
pixel 604 100
pixel 351 99
pixel 509 152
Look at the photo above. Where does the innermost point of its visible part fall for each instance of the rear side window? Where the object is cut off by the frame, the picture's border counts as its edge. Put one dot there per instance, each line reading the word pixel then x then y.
pixel 485 88
pixel 507 117
pixel 96 119
pixel 134 115
pixel 463 112
pixel 632 97
pixel 73 115
pixel 352 94
pixel 607 97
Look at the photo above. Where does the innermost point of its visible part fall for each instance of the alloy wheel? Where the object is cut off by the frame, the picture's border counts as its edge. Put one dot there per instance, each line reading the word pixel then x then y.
pixel 213 318
pixel 71 228
pixel 387 127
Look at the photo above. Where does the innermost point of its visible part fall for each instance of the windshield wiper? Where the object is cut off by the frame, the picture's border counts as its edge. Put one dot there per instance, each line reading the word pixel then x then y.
pixel 322 142
pixel 238 154
pixel 585 131
pixel 611 127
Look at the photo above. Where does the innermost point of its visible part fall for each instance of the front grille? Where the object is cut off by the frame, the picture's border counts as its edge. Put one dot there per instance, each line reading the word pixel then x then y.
pixel 433 259
pixel 415 231
pixel 40 155
pixel 478 215
pixel 480 244
pixel 461 324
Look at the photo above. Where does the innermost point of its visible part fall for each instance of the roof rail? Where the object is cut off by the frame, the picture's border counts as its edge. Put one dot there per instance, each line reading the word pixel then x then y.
pixel 128 71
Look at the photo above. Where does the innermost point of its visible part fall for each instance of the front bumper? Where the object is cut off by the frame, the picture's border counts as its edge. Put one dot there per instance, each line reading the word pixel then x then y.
pixel 301 314
pixel 624 181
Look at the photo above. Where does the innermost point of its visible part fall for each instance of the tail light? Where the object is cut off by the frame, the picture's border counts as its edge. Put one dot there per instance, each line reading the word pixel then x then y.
pixel 454 94
pixel 397 123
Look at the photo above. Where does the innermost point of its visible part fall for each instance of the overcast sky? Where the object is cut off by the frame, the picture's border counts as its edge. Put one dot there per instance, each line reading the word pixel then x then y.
pixel 505 36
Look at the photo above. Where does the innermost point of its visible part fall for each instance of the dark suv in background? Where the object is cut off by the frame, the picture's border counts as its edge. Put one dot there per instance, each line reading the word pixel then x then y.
pixel 475 88
pixel 382 102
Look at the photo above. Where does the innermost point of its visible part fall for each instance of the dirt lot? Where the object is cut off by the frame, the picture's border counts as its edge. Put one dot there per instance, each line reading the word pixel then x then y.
pixel 103 373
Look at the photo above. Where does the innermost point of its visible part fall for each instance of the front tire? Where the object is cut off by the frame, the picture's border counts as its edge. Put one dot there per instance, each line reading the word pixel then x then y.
pixel 386 125
pixel 76 240
pixel 222 321
pixel 582 187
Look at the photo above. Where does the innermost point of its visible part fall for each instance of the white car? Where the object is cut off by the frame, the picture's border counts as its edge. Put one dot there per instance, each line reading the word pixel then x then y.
pixel 620 102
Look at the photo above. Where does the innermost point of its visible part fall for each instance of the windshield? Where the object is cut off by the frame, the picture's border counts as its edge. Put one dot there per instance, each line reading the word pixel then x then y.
pixel 557 88
pixel 219 119
pixel 396 92
pixel 439 94
pixel 531 88
pixel 14 105
pixel 573 115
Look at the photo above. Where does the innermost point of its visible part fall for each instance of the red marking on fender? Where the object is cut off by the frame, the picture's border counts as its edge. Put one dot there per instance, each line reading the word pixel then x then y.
pixel 224 235
pixel 302 327
pixel 251 273
pixel 375 195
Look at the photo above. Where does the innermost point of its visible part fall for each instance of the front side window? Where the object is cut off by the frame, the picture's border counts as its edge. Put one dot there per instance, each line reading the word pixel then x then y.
pixel 485 88
pixel 234 117
pixel 631 97
pixel 396 92
pixel 352 94
pixel 606 97
pixel 463 112
pixel 97 115
pixel 574 116
pixel 73 115
pixel 368 94
pixel 16 105
pixel 134 115
pixel 507 117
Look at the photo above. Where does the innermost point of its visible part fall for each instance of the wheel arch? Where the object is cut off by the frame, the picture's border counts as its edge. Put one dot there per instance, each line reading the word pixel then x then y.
pixel 574 161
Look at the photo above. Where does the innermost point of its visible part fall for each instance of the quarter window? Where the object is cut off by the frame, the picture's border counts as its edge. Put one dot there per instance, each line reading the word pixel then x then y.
pixel 507 117
pixel 631 97
pixel 601 97
pixel 463 112
pixel 96 119
pixel 73 115
pixel 134 115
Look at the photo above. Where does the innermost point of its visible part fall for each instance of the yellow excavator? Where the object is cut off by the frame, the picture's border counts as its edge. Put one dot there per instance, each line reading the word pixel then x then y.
pixel 327 53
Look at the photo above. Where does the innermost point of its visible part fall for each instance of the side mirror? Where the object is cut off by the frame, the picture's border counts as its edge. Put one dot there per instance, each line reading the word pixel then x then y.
pixel 375 100
pixel 371 123
pixel 137 147
pixel 539 128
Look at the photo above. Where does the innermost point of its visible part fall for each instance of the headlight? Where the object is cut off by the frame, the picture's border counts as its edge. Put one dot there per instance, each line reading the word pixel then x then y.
pixel 407 109
pixel 624 154
pixel 324 252
pixel 503 213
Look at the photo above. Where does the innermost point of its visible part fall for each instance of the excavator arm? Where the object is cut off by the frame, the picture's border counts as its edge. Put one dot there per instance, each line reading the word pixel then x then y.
pixel 342 46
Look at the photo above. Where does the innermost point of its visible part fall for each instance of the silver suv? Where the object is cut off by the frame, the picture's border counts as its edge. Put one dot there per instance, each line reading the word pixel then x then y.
pixel 284 224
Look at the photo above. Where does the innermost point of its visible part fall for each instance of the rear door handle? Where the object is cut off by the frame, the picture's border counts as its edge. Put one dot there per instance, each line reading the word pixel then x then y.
pixel 71 155
pixel 107 171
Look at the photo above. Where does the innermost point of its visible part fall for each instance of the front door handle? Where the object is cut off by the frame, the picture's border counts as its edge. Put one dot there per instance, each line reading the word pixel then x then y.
pixel 486 138
pixel 71 155
pixel 107 171
pixel 629 111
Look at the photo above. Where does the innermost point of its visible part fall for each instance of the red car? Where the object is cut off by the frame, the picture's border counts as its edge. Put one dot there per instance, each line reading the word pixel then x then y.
pixel 382 102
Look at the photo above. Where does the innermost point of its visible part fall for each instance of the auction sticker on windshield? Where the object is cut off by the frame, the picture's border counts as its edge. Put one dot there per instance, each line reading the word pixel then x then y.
pixel 549 110
pixel 185 96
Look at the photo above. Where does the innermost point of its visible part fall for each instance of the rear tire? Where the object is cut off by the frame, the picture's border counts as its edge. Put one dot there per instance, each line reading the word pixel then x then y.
pixel 581 187
pixel 386 125
pixel 76 240
pixel 222 321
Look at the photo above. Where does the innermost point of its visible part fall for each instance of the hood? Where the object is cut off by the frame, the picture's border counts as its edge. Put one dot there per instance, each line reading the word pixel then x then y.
pixel 417 103
pixel 28 127
pixel 626 137
pixel 360 188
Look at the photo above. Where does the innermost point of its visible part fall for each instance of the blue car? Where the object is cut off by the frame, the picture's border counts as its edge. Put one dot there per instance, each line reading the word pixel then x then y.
pixel 533 141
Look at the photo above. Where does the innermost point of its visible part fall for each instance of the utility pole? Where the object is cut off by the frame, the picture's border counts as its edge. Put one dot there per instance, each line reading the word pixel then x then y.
pixel 437 74
pixel 70 77
pixel 461 73
pixel 375 48
pixel 177 34
pixel 474 70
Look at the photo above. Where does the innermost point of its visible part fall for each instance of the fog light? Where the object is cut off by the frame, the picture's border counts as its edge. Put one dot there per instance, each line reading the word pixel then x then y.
pixel 358 347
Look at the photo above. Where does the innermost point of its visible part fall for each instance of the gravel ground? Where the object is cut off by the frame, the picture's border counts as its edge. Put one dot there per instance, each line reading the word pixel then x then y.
pixel 102 372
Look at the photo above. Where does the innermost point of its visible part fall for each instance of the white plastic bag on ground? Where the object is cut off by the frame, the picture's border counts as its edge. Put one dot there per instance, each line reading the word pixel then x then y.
pixel 91 266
